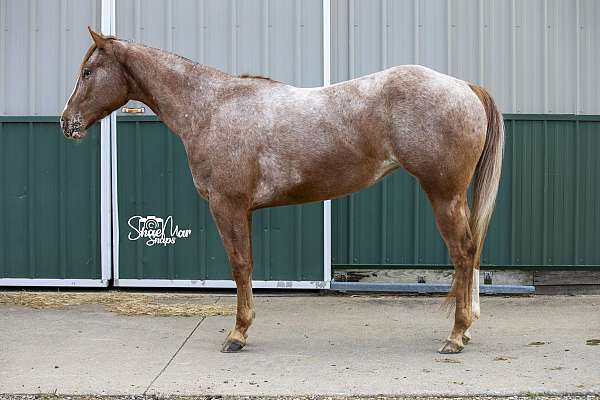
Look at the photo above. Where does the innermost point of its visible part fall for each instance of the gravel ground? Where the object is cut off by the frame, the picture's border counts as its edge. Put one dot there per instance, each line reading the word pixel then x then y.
pixel 68 397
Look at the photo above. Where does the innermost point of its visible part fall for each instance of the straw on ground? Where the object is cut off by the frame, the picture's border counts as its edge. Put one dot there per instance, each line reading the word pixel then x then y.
pixel 120 303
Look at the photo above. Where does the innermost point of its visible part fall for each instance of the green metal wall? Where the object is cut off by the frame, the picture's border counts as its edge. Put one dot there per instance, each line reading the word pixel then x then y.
pixel 154 179
pixel 49 200
pixel 547 212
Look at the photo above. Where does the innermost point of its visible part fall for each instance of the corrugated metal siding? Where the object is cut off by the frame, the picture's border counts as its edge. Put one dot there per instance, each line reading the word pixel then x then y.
pixel 281 39
pixel 42 44
pixel 535 56
pixel 547 210
pixel 49 201
pixel 154 179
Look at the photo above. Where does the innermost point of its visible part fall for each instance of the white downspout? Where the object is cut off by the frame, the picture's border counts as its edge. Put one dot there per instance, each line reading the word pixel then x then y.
pixel 107 130
pixel 327 203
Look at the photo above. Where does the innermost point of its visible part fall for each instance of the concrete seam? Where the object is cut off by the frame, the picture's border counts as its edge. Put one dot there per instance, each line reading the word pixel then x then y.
pixel 173 356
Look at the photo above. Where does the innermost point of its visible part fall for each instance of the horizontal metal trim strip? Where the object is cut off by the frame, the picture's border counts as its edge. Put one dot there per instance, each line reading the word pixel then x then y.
pixel 183 283
pixel 29 118
pixel 552 117
pixel 137 118
pixel 53 282
pixel 154 118
pixel 569 268
pixel 525 117
pixel 424 288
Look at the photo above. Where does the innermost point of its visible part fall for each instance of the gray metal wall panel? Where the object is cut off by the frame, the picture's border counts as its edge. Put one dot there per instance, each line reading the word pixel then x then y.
pixel 562 61
pixel 41 47
pixel 278 38
pixel 465 51
pixel 535 56
pixel 432 35
pixel 311 45
pixel 589 56
pixel 498 66
pixel 401 26
pixel 530 55
pixel 281 39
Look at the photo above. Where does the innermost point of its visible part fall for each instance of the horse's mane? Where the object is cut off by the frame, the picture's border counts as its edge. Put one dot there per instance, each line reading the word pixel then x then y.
pixel 93 47
pixel 250 76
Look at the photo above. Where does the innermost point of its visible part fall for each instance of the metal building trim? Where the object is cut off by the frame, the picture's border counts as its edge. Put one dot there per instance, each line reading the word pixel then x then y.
pixel 108 125
pixel 218 284
pixel 53 282
pixel 425 288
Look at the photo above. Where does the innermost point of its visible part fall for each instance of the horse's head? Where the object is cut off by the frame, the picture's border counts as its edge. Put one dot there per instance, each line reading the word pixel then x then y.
pixel 101 87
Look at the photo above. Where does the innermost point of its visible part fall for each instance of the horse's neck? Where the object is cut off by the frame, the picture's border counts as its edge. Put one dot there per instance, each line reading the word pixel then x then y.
pixel 176 89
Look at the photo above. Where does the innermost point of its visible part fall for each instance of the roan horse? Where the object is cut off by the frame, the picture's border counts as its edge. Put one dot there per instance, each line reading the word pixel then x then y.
pixel 253 142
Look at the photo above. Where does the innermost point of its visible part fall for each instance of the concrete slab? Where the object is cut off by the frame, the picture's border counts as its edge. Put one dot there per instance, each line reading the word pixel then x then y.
pixel 317 345
pixel 84 350
pixel 368 346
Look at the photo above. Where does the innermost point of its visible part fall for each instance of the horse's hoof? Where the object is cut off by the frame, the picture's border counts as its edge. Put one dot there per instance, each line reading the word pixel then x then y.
pixel 451 347
pixel 466 337
pixel 232 346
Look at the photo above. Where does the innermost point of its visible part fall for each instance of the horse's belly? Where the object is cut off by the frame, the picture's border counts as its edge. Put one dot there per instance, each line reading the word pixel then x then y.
pixel 322 183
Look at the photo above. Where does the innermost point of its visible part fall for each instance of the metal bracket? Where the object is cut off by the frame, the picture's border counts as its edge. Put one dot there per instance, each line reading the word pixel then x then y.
pixel 487 278
pixel 136 110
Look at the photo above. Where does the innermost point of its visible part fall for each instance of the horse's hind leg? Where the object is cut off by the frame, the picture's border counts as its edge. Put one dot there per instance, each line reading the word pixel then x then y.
pixel 452 217
pixel 234 224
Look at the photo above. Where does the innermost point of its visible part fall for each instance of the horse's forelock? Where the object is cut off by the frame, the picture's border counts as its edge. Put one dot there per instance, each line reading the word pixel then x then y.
pixel 87 55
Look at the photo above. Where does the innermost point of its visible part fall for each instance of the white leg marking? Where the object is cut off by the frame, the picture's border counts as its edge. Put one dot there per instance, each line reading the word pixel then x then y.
pixel 475 300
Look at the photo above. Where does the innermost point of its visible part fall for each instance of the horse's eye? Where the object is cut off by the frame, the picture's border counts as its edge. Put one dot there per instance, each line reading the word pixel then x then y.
pixel 86 73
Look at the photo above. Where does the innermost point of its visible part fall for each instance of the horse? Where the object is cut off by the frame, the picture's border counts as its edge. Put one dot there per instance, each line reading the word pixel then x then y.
pixel 253 142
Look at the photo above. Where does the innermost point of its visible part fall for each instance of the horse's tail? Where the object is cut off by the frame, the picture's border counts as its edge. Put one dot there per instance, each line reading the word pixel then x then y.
pixel 487 173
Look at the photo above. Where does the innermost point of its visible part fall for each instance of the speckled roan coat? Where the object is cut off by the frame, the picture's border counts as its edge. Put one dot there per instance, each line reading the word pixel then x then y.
pixel 254 143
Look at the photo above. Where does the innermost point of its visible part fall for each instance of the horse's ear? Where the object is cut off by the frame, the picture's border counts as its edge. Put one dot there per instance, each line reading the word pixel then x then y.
pixel 98 38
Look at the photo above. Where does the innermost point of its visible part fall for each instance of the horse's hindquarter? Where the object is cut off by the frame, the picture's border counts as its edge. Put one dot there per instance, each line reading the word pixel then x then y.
pixel 439 125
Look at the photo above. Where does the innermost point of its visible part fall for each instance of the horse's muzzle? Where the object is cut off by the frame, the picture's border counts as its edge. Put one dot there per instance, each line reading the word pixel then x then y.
pixel 72 128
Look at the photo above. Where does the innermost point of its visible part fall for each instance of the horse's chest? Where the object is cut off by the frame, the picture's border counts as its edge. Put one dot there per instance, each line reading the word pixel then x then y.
pixel 198 168
pixel 200 187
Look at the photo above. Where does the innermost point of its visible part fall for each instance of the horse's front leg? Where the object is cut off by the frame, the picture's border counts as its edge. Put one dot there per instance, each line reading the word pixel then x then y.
pixel 234 221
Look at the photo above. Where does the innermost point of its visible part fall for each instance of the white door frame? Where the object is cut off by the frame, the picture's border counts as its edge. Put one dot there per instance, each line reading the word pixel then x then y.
pixel 108 11
pixel 327 203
